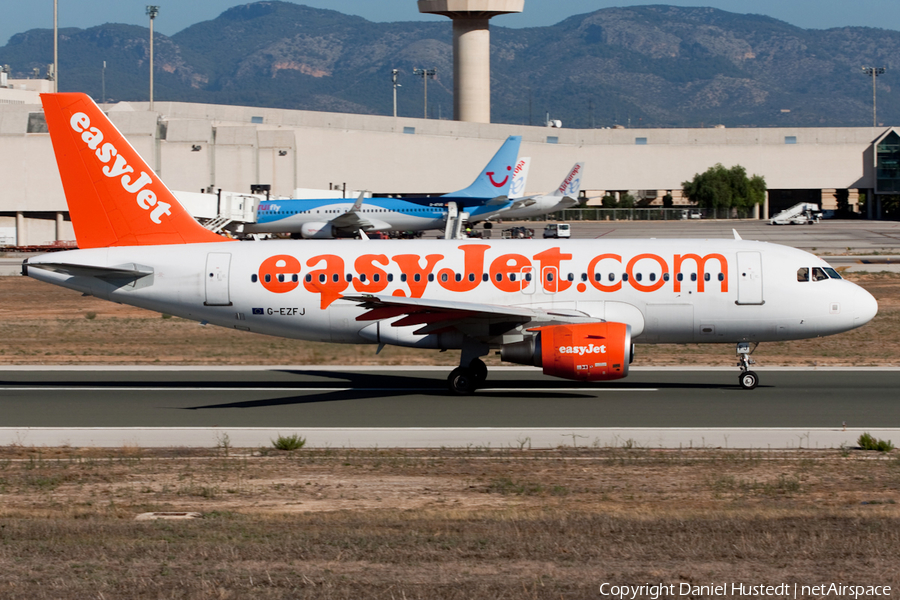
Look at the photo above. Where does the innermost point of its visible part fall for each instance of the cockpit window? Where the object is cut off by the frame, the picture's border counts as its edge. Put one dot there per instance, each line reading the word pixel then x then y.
pixel 832 273
pixel 803 274
pixel 818 274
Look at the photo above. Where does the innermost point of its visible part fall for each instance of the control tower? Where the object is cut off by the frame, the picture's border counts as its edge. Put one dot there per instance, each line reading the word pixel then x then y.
pixel 471 51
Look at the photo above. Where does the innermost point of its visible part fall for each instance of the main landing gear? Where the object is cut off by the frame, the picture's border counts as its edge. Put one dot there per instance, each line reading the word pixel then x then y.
pixel 471 372
pixel 463 381
pixel 748 378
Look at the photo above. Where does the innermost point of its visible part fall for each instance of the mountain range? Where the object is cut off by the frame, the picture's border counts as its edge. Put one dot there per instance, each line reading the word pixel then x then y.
pixel 643 66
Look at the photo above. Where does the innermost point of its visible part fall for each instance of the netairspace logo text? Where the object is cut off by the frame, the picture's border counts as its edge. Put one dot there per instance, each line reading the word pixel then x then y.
pixel 736 590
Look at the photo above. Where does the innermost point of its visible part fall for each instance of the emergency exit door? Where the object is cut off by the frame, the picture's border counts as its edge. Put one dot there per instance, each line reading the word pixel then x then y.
pixel 749 276
pixel 217 267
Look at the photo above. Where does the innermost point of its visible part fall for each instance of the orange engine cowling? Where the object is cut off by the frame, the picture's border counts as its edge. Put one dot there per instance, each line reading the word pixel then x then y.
pixel 584 351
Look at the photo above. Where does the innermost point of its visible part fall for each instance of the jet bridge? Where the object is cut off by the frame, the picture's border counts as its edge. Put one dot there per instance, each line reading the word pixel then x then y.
pixel 221 210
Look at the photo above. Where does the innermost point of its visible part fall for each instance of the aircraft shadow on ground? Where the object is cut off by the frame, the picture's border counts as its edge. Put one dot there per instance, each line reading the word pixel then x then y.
pixel 364 386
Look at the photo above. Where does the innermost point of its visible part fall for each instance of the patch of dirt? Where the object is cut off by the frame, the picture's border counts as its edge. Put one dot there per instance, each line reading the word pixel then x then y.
pixel 440 524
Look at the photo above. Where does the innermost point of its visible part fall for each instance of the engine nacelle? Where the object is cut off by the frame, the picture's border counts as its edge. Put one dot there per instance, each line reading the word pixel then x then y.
pixel 583 351
pixel 316 231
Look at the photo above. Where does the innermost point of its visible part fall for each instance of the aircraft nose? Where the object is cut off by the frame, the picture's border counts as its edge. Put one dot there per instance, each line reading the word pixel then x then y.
pixel 865 307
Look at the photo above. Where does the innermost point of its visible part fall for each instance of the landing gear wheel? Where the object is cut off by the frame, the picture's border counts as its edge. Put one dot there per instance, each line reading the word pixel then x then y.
pixel 479 370
pixel 462 381
pixel 749 380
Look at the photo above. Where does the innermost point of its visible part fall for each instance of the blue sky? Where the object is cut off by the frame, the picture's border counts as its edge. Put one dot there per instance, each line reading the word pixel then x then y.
pixel 175 16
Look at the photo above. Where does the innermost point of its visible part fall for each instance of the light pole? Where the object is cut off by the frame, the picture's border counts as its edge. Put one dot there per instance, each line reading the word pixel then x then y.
pixel 873 72
pixel 103 84
pixel 55 46
pixel 395 74
pixel 152 11
pixel 425 74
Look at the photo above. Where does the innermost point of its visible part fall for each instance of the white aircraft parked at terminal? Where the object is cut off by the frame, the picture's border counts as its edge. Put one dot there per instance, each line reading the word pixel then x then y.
pixel 565 196
pixel 572 307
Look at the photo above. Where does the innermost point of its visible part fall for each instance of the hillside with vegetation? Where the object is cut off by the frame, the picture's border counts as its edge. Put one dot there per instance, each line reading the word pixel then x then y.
pixel 646 66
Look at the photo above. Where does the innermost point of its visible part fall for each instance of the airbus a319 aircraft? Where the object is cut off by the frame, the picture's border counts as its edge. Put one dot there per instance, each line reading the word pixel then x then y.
pixel 573 307
pixel 332 218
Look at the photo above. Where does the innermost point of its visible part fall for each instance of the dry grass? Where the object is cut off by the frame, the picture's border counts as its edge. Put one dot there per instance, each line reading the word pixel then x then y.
pixel 439 524
pixel 44 324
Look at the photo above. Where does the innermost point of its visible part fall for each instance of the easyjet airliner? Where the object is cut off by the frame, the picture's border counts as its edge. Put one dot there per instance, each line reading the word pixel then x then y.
pixel 572 307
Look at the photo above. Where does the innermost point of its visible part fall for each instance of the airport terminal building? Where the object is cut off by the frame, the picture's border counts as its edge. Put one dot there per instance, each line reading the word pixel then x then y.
pixel 209 147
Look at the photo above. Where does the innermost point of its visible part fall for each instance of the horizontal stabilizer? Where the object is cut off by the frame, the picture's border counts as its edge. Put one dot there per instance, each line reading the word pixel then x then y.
pixel 122 272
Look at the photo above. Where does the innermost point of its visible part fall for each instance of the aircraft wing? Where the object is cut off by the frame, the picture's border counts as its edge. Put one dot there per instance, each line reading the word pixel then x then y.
pixel 354 221
pixel 523 202
pixel 475 320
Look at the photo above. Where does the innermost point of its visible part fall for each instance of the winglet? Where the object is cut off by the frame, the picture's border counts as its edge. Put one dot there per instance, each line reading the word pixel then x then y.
pixel 358 204
pixel 114 197
pixel 737 236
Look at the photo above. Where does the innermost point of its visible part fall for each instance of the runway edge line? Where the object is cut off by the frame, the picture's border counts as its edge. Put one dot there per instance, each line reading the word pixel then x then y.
pixel 409 437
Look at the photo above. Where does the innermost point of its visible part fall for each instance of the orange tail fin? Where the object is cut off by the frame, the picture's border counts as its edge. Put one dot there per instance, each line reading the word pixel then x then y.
pixel 114 198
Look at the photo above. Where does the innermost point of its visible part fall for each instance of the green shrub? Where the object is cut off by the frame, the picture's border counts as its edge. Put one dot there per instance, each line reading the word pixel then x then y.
pixel 868 442
pixel 289 442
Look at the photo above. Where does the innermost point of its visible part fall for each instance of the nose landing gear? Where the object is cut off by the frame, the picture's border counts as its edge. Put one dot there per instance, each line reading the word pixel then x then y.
pixel 748 378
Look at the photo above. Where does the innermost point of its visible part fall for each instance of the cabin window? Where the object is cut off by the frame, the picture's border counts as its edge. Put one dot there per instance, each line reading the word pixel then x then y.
pixel 376 277
pixel 612 277
pixel 254 278
pixel 652 276
pixel 403 277
pixel 665 276
pixel 721 276
pixel 471 276
pixel 499 277
pixel 417 277
pixel 680 277
pixel 308 278
pixel 362 277
pixel 598 277
pixel 443 277
pixel 321 277
pixel 349 278
pixel 624 276
pixel 268 278
pixel 638 277
pixel 512 276
pixel 281 278
pixel 571 277
pixel 484 277
pixel 458 277
pixel 693 277
pixel 390 277
pixel 706 277
pixel 431 277
pixel 335 277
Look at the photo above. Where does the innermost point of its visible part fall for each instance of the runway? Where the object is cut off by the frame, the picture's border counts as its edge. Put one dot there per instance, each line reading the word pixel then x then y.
pixel 516 403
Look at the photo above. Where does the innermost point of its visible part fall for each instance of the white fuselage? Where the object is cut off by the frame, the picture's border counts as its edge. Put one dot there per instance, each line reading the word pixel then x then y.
pixel 669 291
